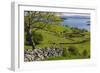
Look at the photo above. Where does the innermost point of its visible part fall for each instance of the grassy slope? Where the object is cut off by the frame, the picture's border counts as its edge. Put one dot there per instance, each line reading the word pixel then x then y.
pixel 51 34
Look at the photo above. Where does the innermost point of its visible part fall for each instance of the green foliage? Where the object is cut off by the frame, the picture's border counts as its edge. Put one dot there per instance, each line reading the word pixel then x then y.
pixel 73 50
pixel 76 30
pixel 85 53
pixel 56 58
pixel 32 18
pixel 65 52
pixel 37 37
pixel 35 17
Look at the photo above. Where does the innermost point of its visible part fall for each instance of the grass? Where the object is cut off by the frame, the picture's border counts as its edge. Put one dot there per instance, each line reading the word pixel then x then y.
pixel 67 58
pixel 52 36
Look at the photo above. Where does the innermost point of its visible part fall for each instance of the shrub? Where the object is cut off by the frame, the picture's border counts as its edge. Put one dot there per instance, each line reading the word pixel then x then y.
pixel 73 50
pixel 85 53
pixel 65 52
pixel 37 37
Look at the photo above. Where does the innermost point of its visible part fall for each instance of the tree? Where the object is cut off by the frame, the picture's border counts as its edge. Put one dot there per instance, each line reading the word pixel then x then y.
pixel 31 18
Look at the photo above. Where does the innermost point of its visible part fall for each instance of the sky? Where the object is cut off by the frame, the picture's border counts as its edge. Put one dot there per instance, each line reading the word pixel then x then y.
pixel 73 14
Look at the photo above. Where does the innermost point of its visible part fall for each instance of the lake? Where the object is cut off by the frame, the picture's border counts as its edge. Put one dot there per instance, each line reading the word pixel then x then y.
pixel 81 22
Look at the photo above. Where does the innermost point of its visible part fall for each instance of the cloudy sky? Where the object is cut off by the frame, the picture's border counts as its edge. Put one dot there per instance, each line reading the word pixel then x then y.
pixel 73 14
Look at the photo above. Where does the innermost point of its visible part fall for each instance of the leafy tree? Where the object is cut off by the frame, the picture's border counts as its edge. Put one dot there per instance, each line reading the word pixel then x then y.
pixel 34 18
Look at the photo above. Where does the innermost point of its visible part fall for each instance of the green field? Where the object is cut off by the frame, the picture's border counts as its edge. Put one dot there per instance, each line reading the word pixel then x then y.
pixel 62 37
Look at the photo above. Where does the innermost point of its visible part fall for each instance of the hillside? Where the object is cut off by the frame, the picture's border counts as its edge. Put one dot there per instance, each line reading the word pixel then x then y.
pixel 62 37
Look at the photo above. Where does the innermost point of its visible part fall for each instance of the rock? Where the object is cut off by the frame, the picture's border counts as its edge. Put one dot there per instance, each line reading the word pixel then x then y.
pixel 26 59
pixel 29 57
pixel 41 53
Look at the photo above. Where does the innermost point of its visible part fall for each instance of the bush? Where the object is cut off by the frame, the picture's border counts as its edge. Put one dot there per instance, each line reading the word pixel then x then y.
pixel 65 52
pixel 73 50
pixel 37 37
pixel 85 53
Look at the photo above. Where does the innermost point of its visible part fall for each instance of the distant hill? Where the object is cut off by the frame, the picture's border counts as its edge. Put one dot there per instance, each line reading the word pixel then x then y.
pixel 77 17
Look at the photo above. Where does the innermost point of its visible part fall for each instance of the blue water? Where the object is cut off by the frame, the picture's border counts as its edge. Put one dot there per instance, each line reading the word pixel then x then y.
pixel 81 23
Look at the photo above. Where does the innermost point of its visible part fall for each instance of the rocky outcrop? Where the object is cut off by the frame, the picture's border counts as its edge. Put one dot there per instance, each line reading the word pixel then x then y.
pixel 41 54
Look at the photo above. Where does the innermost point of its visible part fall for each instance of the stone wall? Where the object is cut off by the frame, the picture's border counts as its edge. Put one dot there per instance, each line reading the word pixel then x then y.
pixel 41 54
